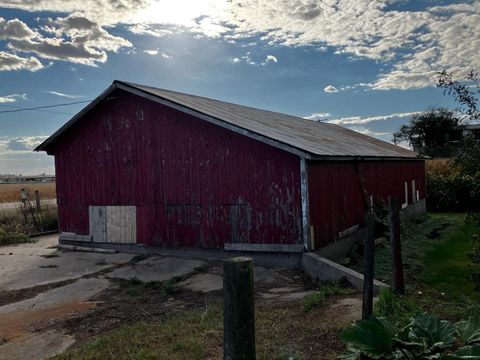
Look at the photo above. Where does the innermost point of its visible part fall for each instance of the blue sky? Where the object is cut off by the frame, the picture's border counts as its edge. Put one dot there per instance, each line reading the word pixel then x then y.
pixel 365 64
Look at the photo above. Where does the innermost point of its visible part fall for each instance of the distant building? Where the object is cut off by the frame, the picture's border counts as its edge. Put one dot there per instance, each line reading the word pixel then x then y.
pixel 19 179
pixel 453 137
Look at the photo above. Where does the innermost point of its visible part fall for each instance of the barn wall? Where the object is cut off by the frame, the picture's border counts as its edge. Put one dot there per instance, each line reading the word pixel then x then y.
pixel 193 183
pixel 338 191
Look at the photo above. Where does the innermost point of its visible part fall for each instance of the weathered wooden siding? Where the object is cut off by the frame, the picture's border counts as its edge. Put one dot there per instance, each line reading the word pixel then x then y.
pixel 193 183
pixel 338 191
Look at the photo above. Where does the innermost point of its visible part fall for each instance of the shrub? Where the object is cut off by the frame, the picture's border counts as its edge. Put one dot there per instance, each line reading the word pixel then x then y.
pixel 425 337
pixel 12 237
pixel 457 192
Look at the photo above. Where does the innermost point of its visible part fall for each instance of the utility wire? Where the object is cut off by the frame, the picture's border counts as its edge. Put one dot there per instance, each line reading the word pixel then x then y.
pixel 46 111
pixel 43 107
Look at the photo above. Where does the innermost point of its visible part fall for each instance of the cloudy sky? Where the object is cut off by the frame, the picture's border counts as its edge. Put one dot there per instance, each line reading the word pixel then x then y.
pixel 365 64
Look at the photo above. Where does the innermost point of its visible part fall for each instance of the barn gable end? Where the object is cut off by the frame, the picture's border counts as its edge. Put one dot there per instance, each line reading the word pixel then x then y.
pixel 192 183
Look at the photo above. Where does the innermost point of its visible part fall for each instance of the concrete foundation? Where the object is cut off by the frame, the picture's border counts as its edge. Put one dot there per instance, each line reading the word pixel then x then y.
pixel 345 246
pixel 321 269
pixel 414 211
pixel 291 260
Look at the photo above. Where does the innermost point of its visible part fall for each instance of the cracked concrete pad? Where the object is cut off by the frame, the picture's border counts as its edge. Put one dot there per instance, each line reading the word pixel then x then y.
pixel 157 269
pixel 39 264
pixel 37 346
pixel 203 282
pixel 296 295
pixel 287 289
pixel 18 318
pixel 261 275
pixel 79 292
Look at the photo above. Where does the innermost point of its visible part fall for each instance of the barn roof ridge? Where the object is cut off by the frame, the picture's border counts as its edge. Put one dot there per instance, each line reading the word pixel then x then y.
pixel 294 134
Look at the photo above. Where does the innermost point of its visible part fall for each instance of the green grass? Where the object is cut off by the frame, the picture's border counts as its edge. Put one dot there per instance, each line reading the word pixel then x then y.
pixel 447 265
pixel 11 236
pixel 189 335
pixel 326 290
pixel 137 288
pixel 437 269
pixel 283 331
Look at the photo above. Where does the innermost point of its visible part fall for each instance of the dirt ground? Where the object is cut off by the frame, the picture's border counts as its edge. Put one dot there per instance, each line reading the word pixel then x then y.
pixel 57 299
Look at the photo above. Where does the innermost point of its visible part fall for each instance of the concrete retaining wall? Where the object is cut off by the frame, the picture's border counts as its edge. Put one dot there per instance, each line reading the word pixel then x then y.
pixel 414 211
pixel 321 269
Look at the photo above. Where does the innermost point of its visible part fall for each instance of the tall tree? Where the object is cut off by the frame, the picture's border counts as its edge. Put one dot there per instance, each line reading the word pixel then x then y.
pixel 465 92
pixel 430 133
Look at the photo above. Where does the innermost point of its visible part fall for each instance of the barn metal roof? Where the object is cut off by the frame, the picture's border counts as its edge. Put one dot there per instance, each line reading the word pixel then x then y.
pixel 312 139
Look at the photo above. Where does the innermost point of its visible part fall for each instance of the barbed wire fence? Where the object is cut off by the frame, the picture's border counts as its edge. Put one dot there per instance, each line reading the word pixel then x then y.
pixel 30 213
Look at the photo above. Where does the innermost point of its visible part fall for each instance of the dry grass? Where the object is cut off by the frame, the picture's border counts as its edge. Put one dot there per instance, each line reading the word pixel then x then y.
pixel 11 192
pixel 442 167
pixel 284 331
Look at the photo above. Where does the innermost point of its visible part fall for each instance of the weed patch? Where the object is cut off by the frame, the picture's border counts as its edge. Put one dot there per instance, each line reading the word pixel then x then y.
pixel 326 290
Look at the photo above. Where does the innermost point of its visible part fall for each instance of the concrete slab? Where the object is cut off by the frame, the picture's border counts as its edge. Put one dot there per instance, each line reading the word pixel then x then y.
pixel 261 275
pixel 27 265
pixel 79 291
pixel 297 295
pixel 19 318
pixel 37 346
pixel 204 282
pixel 157 269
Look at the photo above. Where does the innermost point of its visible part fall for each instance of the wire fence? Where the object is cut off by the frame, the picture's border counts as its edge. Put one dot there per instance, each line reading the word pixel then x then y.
pixel 29 215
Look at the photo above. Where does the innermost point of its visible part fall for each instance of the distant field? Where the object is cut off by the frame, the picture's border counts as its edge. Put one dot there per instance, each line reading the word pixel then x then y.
pixel 11 192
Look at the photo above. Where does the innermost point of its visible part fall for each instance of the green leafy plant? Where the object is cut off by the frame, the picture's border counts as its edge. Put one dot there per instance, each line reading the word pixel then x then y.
pixel 12 236
pixel 426 337
pixel 475 258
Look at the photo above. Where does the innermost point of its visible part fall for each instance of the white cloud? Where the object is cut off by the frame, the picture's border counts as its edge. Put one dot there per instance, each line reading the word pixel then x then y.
pixel 64 95
pixel 155 52
pixel 411 45
pixel 14 29
pixel 357 120
pixel 249 59
pixel 12 98
pixel 330 89
pixel 73 38
pixel 107 12
pixel 270 58
pixel 366 131
pixel 151 52
pixel 317 116
pixel 9 62
pixel 21 143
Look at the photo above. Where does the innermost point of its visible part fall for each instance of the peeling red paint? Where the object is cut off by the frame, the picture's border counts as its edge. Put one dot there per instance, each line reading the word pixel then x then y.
pixel 339 192
pixel 197 184
pixel 193 183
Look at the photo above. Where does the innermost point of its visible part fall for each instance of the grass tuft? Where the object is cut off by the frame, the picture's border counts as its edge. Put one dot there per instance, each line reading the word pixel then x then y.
pixel 326 290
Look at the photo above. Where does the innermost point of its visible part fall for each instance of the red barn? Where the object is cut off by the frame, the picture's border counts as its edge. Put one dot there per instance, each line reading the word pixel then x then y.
pixel 141 165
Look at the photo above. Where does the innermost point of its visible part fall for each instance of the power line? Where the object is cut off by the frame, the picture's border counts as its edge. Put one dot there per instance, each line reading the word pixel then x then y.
pixel 43 107
pixel 47 111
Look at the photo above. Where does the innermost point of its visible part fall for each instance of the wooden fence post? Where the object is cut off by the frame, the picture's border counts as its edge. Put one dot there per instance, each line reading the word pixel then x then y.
pixel 394 220
pixel 368 273
pixel 37 200
pixel 239 310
